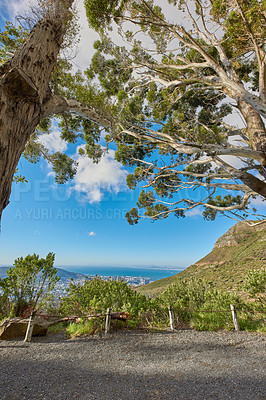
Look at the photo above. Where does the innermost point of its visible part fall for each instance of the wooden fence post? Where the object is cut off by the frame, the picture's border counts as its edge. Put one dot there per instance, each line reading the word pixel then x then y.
pixel 171 318
pixel 234 315
pixel 107 320
pixel 30 327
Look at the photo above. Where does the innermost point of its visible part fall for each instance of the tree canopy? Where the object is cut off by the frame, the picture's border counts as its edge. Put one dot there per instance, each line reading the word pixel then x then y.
pixel 36 84
pixel 29 284
pixel 191 116
pixel 183 100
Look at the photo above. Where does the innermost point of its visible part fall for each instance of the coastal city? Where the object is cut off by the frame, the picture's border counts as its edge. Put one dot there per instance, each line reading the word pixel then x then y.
pixel 60 289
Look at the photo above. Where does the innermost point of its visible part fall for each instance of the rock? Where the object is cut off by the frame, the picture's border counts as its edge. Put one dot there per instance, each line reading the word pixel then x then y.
pixel 12 328
pixel 237 234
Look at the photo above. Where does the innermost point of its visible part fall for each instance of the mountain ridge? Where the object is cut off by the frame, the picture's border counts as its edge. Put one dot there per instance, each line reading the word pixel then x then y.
pixel 238 250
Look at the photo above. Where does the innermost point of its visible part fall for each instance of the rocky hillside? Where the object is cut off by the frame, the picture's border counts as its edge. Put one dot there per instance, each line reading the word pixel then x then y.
pixel 240 249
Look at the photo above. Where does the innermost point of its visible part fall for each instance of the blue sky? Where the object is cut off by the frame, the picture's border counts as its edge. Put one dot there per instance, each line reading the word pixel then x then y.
pixel 43 217
pixel 83 222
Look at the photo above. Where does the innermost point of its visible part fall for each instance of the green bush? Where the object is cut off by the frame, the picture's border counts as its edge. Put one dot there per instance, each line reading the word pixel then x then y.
pixel 194 302
pixel 28 285
pixel 255 322
pixel 191 301
pixel 5 305
pixel 255 283
pixel 95 295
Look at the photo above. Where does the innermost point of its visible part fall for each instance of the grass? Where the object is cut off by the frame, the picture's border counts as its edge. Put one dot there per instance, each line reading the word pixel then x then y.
pixel 60 327
pixel 85 327
pixel 200 321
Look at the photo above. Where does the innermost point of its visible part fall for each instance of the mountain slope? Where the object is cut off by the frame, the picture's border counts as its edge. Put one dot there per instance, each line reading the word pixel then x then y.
pixel 240 249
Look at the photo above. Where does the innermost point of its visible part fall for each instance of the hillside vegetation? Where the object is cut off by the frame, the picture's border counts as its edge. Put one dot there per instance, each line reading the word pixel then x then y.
pixel 239 250
pixel 194 301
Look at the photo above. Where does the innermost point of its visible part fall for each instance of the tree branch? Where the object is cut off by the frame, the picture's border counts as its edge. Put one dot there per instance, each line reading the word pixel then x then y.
pixel 58 105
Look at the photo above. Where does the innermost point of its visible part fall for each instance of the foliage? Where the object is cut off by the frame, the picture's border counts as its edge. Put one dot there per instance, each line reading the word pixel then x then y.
pixel 197 294
pixel 96 295
pixel 29 283
pixel 19 178
pixel 101 12
pixel 11 38
pixel 225 266
pixel 5 305
pixel 60 327
pixel 172 100
pixel 165 105
pixel 256 282
pixel 85 327
pixel 196 302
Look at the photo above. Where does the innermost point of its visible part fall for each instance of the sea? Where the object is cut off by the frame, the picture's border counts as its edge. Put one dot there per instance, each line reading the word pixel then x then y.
pixel 154 273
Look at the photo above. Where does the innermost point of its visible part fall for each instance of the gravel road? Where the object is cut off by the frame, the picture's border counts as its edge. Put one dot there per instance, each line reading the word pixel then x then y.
pixel 135 365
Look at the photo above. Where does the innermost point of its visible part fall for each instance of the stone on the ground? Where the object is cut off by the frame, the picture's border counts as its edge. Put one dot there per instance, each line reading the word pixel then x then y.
pixel 12 328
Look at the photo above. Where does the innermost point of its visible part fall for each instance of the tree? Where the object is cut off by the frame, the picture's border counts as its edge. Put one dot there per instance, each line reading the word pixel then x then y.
pixel 171 116
pixel 35 85
pixel 29 283
pixel 166 107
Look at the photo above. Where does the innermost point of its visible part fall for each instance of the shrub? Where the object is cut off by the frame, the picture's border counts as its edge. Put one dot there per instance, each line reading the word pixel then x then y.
pixel 255 283
pixel 191 301
pixel 96 295
pixel 28 284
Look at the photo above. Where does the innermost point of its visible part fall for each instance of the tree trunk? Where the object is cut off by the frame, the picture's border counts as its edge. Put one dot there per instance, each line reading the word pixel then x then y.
pixel 255 129
pixel 254 183
pixel 24 91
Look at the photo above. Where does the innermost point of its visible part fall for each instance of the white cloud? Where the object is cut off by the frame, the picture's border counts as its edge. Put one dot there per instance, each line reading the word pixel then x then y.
pixel 15 8
pixel 92 233
pixel 53 142
pixel 258 201
pixel 12 9
pixel 92 180
pixel 195 212
pixel 88 36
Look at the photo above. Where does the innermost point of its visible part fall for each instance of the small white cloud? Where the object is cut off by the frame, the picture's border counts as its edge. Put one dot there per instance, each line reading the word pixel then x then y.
pixel 53 142
pixel 92 180
pixel 258 201
pixel 92 233
pixel 195 212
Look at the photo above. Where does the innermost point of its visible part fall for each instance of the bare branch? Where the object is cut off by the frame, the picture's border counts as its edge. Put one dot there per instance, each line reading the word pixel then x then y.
pixel 58 104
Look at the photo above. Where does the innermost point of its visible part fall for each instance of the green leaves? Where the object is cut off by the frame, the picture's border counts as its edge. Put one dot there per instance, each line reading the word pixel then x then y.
pixel 170 100
pixel 96 295
pixel 11 38
pixel 101 12
pixel 256 282
pixel 221 202
pixel 29 283
pixel 63 166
